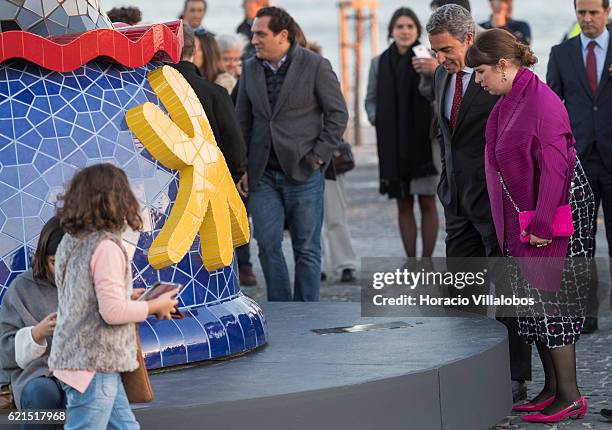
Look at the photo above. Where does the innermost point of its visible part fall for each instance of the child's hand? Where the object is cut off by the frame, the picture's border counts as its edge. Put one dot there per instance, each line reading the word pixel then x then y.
pixel 163 306
pixel 137 292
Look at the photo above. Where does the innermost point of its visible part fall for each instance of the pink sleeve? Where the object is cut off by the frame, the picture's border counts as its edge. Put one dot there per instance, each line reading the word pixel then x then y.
pixel 108 267
pixel 554 167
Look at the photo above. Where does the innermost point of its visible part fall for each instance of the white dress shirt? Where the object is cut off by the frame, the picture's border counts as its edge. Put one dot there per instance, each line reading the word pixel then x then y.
pixel 450 91
pixel 601 50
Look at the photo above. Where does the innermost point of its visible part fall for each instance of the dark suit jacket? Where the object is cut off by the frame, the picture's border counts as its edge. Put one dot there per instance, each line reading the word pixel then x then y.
pixel 462 181
pixel 307 122
pixel 590 115
pixel 220 112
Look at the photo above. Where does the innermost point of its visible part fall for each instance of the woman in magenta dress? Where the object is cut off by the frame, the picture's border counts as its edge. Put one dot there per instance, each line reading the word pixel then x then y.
pixel 531 165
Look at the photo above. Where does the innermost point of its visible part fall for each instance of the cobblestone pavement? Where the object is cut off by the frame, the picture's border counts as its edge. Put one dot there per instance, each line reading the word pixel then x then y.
pixel 373 225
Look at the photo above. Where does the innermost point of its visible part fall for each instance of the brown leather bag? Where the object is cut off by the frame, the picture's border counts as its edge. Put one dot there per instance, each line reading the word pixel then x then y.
pixel 136 383
pixel 343 159
pixel 6 397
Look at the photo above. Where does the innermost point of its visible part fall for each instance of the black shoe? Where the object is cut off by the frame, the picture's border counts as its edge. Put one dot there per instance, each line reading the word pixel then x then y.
pixel 590 325
pixel 607 414
pixel 348 275
pixel 519 391
pixel 247 276
pixel 323 276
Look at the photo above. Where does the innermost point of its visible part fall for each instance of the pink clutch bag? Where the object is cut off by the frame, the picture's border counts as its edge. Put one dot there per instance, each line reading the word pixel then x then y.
pixel 563 225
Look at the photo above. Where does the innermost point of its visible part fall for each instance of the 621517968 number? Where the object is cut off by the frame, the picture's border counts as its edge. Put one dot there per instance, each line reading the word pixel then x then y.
pixel 38 416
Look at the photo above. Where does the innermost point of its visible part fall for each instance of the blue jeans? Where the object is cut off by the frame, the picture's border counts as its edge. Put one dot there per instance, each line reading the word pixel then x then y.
pixel 277 199
pixel 104 405
pixel 42 393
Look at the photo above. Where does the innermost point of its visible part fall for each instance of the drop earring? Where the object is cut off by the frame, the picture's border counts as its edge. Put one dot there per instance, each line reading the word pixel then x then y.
pixel 504 78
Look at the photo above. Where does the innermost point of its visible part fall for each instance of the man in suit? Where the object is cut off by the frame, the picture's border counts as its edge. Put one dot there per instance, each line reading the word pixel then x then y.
pixel 463 109
pixel 579 72
pixel 292 115
pixel 217 105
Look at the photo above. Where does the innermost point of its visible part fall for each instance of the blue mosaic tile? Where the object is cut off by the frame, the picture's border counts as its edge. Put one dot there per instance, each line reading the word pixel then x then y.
pixel 234 335
pixel 25 96
pixel 249 332
pixel 42 104
pixel 5 109
pixel 39 89
pixel 217 336
pixel 38 188
pixel 4 272
pixel 138 282
pixel 28 79
pixel 239 310
pixel 17 261
pixel 171 342
pixel 193 334
pixel 6 191
pixel 51 146
pixel 12 207
pixel 55 123
pixel 43 163
pixel 187 297
pixel 150 346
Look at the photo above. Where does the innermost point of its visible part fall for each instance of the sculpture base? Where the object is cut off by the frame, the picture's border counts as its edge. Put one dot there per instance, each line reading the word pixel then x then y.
pixel 427 373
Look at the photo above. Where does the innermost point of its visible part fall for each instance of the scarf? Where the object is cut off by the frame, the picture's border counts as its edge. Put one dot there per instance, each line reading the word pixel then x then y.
pixel 403 119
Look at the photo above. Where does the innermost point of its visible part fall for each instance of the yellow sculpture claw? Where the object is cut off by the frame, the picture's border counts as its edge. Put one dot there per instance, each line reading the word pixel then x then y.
pixel 207 199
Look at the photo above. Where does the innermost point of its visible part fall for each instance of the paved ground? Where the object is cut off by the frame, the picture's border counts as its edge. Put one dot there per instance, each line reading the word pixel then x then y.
pixel 374 231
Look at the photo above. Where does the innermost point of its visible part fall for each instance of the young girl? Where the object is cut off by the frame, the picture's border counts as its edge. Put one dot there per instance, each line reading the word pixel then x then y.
pixel 95 336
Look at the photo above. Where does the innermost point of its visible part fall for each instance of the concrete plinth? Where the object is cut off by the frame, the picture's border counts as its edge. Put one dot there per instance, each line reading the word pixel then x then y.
pixel 429 374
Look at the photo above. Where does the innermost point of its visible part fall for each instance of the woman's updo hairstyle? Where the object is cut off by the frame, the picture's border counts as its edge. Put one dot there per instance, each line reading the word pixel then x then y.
pixel 493 45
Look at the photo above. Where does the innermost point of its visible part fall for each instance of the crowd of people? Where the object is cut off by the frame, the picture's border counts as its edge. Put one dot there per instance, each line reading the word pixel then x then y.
pixel 466 122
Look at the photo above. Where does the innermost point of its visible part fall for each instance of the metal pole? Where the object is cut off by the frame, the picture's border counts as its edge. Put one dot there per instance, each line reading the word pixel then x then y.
pixel 356 105
pixel 344 51
pixel 374 31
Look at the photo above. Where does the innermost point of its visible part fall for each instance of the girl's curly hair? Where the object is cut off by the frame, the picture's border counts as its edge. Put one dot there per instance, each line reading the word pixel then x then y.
pixel 98 198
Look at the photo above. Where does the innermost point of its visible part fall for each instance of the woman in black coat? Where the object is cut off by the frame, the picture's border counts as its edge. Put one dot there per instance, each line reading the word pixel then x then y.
pixel 402 117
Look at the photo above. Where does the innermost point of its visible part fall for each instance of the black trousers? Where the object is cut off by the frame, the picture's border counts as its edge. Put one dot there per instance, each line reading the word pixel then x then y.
pixel 243 253
pixel 600 180
pixel 475 238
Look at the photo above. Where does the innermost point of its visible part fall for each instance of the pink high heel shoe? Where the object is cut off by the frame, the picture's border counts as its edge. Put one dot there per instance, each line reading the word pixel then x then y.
pixel 533 407
pixel 576 410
